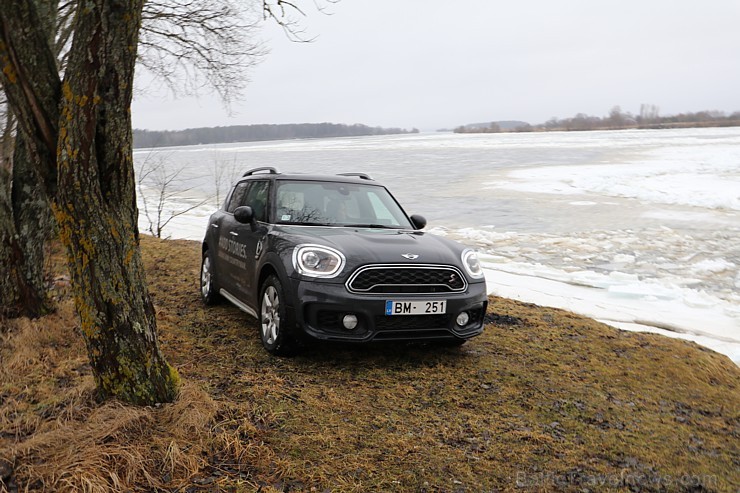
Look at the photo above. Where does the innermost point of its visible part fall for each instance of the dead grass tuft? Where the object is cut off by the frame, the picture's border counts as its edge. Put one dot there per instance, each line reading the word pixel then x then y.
pixel 116 447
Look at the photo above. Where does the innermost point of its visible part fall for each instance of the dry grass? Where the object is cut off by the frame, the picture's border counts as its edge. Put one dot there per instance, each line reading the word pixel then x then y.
pixel 115 446
pixel 543 400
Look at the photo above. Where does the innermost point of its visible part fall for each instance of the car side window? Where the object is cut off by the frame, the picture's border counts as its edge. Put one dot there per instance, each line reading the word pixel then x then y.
pixel 256 198
pixel 237 196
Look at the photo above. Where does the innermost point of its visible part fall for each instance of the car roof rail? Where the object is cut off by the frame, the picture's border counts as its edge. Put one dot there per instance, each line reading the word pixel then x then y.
pixel 270 170
pixel 363 176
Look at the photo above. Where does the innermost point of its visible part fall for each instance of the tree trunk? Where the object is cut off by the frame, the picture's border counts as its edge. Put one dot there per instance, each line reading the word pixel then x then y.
pixel 25 228
pixel 33 221
pixel 13 290
pixel 81 131
pixel 29 75
pixel 26 225
pixel 96 207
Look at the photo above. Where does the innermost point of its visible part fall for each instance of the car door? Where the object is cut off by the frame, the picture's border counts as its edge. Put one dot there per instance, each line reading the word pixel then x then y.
pixel 244 242
pixel 221 223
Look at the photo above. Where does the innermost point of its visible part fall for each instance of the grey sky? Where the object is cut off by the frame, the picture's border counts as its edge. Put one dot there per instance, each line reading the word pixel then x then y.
pixel 438 64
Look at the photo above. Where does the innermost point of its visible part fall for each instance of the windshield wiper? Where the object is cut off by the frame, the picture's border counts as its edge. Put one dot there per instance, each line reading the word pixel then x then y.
pixel 378 226
pixel 302 223
pixel 342 225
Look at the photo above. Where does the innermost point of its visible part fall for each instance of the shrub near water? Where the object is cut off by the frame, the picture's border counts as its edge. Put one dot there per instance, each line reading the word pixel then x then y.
pixel 543 400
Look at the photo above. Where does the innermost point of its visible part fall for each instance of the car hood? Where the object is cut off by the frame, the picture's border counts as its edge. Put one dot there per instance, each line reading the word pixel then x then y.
pixel 371 245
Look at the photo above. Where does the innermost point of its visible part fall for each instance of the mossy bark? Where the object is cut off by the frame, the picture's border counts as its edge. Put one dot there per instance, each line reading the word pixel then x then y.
pixel 28 72
pixel 34 222
pixel 25 228
pixel 16 299
pixel 89 129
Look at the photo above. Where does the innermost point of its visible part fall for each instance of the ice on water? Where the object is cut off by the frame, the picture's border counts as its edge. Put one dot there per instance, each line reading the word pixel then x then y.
pixel 638 229
pixel 702 176
pixel 669 284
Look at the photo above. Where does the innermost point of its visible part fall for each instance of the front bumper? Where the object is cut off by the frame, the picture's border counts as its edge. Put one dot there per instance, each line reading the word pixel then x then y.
pixel 320 306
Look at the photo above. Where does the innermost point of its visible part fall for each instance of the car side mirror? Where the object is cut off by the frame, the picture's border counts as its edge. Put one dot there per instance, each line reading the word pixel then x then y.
pixel 244 214
pixel 418 221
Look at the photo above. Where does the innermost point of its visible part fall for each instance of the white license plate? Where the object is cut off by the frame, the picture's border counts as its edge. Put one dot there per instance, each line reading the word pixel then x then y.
pixel 406 307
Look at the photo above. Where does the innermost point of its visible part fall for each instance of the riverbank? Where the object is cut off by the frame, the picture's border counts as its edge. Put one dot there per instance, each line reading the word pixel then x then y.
pixel 544 399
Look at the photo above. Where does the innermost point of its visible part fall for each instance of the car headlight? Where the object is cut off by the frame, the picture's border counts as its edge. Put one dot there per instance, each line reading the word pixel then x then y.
pixel 472 264
pixel 317 261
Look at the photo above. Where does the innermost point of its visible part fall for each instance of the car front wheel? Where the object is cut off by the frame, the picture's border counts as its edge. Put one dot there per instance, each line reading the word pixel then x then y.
pixel 276 326
pixel 208 290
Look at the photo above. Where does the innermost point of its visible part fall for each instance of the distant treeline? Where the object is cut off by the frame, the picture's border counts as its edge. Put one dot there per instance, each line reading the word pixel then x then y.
pixel 252 133
pixel 648 118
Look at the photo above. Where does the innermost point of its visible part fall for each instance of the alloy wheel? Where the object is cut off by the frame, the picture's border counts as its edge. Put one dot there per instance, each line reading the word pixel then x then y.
pixel 270 315
pixel 205 277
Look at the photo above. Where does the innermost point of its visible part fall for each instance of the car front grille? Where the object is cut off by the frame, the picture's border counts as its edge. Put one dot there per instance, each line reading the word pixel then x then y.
pixel 407 279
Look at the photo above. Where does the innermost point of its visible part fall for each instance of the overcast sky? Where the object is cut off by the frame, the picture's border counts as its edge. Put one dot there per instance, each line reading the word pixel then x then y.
pixel 434 64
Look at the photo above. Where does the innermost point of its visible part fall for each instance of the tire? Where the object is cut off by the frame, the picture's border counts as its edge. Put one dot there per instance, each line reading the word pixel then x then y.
pixel 208 287
pixel 277 328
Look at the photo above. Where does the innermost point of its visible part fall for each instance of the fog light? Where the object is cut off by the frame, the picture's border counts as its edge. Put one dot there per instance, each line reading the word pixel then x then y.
pixel 349 321
pixel 462 319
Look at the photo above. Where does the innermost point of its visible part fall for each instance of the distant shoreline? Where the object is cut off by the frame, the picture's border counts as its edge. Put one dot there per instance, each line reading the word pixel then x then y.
pixel 615 121
pixel 144 139
pixel 256 133
pixel 648 126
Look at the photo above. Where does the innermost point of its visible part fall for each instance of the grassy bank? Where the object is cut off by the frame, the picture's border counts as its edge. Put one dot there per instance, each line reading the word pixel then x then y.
pixel 543 400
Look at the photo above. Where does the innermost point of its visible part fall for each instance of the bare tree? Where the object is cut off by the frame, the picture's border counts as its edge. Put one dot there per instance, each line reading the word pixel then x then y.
pixel 190 43
pixel 158 185
pixel 284 13
pixel 224 174
pixel 648 113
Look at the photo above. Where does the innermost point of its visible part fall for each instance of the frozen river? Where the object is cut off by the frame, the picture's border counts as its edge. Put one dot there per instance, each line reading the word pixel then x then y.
pixel 639 228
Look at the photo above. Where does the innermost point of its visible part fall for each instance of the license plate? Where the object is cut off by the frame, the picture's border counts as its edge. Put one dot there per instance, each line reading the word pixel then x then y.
pixel 406 307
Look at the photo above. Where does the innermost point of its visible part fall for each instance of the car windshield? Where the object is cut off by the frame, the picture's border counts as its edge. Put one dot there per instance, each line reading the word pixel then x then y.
pixel 338 204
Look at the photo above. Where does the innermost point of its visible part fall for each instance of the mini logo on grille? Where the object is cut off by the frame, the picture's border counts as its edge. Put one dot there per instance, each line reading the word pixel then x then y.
pixel 410 256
